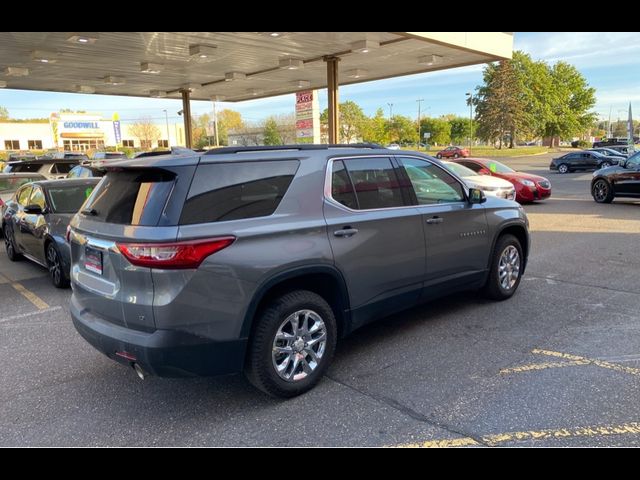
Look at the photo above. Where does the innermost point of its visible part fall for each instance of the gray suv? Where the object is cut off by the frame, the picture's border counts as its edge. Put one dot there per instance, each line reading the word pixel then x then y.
pixel 259 259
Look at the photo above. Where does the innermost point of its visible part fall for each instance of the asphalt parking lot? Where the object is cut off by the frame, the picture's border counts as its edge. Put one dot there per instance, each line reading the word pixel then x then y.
pixel 557 365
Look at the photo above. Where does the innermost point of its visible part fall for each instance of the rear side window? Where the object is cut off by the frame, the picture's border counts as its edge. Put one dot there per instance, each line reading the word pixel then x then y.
pixel 62 168
pixel 131 197
pixel 69 199
pixel 341 186
pixel 375 182
pixel 26 167
pixel 234 191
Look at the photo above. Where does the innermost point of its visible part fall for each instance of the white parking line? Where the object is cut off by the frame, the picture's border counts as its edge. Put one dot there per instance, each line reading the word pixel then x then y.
pixel 30 314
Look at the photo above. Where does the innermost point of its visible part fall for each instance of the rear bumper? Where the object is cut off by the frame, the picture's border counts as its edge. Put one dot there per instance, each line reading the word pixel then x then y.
pixel 165 353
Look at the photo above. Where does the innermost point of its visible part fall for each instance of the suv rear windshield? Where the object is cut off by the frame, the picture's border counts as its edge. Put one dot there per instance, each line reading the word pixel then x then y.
pixel 25 167
pixel 233 191
pixel 131 197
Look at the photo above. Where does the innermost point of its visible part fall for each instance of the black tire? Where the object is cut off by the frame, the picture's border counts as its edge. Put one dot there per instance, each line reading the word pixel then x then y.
pixel 601 191
pixel 455 155
pixel 563 168
pixel 439 156
pixel 57 273
pixel 493 289
pixel 10 245
pixel 605 165
pixel 260 368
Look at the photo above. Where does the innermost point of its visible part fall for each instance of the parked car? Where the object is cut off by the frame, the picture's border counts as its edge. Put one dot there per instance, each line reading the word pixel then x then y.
pixel 86 171
pixel 491 186
pixel 78 156
pixel 393 146
pixel 453 152
pixel 529 187
pixel 621 180
pixel 608 142
pixel 585 160
pixel 10 182
pixel 109 155
pixel 50 169
pixel 609 152
pixel 622 150
pixel 259 258
pixel 35 223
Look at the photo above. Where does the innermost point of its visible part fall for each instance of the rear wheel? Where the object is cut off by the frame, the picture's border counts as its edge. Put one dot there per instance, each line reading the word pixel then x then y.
pixel 605 165
pixel 292 345
pixel 439 155
pixel 602 191
pixel 506 268
pixel 10 245
pixel 56 269
pixel 455 155
pixel 563 168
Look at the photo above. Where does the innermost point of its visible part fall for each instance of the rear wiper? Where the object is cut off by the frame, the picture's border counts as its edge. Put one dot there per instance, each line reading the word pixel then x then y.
pixel 89 211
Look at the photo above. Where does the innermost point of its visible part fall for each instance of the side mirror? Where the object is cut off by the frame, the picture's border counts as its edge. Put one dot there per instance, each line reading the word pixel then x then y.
pixel 476 196
pixel 33 210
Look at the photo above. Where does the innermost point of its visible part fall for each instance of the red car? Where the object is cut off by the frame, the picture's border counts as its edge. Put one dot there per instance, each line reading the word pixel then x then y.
pixel 529 187
pixel 453 152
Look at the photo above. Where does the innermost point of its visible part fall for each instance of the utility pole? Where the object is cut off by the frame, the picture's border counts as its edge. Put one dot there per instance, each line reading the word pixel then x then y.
pixel 390 111
pixel 470 95
pixel 420 100
pixel 609 122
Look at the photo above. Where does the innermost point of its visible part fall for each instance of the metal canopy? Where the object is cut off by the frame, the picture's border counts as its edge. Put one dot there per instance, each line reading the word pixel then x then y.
pixel 238 65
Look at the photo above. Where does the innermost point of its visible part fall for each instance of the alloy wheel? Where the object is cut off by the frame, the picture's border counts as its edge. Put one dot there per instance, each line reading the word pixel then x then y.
pixel 509 267
pixel 55 268
pixel 600 191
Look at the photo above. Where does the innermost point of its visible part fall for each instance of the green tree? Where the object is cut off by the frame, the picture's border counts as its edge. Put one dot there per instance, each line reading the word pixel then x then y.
pixel 228 120
pixel 271 133
pixel 353 121
pixel 199 135
pixel 439 128
pixel 402 130
pixel 376 129
pixel 4 113
pixel 461 129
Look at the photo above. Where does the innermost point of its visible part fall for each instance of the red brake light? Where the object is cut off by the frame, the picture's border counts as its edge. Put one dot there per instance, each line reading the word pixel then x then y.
pixel 171 256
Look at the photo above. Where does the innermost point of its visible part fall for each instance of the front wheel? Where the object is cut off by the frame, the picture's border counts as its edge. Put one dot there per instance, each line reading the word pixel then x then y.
pixel 56 269
pixel 10 245
pixel 605 165
pixel 602 191
pixel 439 155
pixel 455 155
pixel 506 268
pixel 563 168
pixel 292 344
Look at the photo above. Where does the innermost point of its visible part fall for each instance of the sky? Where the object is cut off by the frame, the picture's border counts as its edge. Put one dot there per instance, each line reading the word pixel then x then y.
pixel 609 61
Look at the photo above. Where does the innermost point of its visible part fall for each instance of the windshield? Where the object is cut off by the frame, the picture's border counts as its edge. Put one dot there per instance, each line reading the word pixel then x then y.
pixel 633 159
pixel 497 167
pixel 12 184
pixel 460 170
pixel 69 199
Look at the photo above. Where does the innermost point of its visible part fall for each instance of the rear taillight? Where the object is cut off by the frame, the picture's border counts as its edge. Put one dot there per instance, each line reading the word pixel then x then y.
pixel 175 255
pixel 1 203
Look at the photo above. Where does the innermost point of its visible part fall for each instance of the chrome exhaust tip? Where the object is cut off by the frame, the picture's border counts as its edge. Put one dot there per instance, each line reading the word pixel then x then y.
pixel 139 371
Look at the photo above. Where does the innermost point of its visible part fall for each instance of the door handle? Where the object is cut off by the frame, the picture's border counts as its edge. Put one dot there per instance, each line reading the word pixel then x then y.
pixel 434 220
pixel 345 232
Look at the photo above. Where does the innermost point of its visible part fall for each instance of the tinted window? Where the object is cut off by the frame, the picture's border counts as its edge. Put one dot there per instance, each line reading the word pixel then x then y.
pixel 472 166
pixel 341 186
pixel 375 182
pixel 62 168
pixel 131 197
pixel 431 183
pixel 233 191
pixel 37 198
pixel 26 167
pixel 69 199
pixel 23 196
pixel 12 184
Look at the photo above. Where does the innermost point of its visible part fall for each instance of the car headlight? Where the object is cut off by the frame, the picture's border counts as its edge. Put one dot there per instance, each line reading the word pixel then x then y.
pixel 527 183
pixel 489 189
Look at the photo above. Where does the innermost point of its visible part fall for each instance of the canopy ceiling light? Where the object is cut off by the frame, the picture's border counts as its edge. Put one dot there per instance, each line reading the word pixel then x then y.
pixel 111 80
pixel 148 67
pixel 301 84
pixel 83 89
pixel 290 63
pixel 430 60
pixel 44 57
pixel 357 73
pixel 217 98
pixel 16 71
pixel 364 46
pixel 158 93
pixel 231 76
pixel 202 52
pixel 83 37
pixel 3 84
pixel 255 91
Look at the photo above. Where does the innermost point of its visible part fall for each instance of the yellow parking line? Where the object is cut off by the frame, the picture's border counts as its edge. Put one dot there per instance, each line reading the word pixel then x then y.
pixel 542 366
pixel 591 361
pixel 32 297
pixel 632 428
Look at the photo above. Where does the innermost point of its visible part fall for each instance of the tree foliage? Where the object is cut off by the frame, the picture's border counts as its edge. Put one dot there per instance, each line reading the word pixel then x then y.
pixel 4 113
pixel 271 133
pixel 375 129
pixel 439 128
pixel 353 122
pixel 228 120
pixel 145 131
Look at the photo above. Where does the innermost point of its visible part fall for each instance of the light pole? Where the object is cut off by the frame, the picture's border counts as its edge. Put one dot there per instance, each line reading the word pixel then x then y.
pixel 420 100
pixel 215 123
pixel 470 100
pixel 390 110
pixel 166 117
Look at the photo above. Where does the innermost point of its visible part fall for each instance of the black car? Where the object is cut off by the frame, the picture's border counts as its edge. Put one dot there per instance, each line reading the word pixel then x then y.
pixel 622 180
pixel 586 160
pixel 35 223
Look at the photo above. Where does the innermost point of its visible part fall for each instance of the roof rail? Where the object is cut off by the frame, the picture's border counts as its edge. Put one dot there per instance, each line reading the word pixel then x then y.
pixel 271 148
